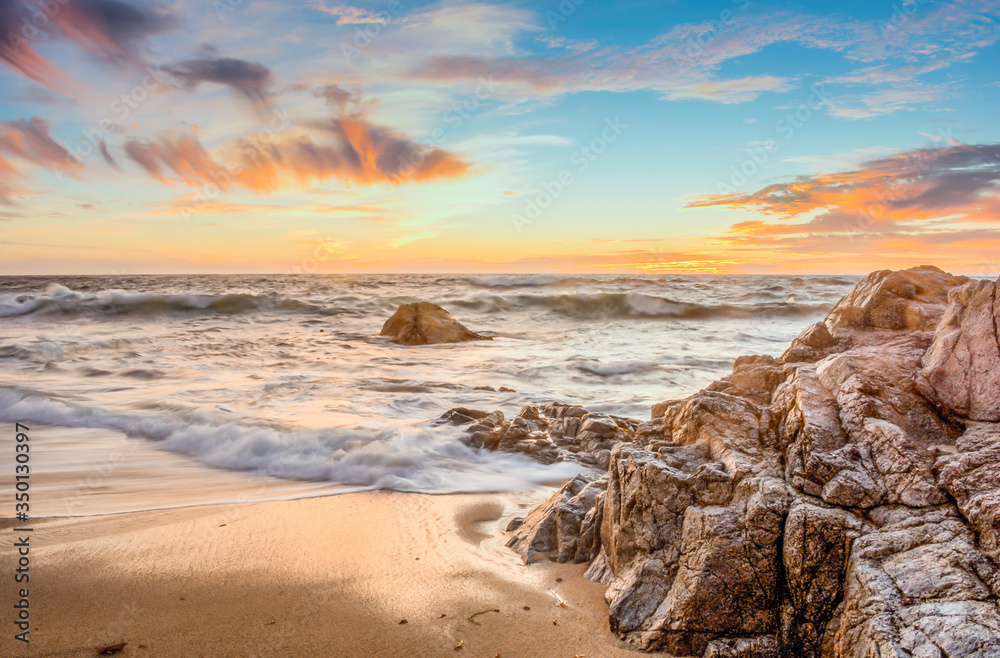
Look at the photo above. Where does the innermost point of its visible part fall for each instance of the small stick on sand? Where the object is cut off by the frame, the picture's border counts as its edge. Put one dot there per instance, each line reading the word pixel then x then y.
pixel 481 612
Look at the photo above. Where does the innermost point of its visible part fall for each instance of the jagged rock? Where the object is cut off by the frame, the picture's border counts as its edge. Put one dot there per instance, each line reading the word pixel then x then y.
pixel 424 323
pixel 812 344
pixel 817 542
pixel 462 415
pixel 971 475
pixel 762 646
pixel 962 367
pixel 753 377
pixel 736 545
pixel 564 525
pixel 551 433
pixel 912 299
pixel 843 500
pixel 917 586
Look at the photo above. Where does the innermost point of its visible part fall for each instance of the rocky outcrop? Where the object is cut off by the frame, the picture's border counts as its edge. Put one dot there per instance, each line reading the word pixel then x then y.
pixel 962 367
pixel 555 432
pixel 842 500
pixel 565 526
pixel 424 323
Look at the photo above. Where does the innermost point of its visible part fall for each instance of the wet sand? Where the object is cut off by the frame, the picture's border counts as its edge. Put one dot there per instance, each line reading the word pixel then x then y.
pixel 330 576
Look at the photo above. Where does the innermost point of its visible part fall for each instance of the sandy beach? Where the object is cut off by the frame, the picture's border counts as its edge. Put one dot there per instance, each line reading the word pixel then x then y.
pixel 331 576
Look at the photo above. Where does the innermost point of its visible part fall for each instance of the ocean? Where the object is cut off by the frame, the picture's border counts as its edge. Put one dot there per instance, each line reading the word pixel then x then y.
pixel 155 391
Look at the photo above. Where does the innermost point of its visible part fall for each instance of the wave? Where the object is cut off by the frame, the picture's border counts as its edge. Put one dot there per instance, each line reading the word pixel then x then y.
pixel 509 281
pixel 415 458
pixel 602 306
pixel 614 369
pixel 60 300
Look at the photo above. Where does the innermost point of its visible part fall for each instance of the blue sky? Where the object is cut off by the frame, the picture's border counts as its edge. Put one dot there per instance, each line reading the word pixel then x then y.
pixel 255 135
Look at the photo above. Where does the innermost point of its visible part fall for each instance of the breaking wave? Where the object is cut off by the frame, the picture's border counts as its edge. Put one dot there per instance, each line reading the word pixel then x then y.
pixel 599 306
pixel 60 300
pixel 403 457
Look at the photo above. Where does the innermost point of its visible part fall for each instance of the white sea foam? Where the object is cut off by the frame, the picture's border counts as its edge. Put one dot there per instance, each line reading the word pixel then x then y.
pixel 418 458
pixel 285 374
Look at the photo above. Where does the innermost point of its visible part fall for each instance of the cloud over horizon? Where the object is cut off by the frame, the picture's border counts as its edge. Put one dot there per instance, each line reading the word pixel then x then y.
pixel 921 195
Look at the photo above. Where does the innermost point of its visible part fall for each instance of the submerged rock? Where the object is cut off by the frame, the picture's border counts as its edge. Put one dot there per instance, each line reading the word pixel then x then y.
pixel 843 500
pixel 424 323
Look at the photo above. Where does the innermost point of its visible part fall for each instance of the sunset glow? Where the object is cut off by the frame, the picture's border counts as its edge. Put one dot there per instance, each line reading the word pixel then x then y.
pixel 249 136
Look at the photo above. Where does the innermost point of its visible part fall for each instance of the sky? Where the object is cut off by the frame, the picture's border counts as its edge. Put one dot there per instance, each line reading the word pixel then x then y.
pixel 727 136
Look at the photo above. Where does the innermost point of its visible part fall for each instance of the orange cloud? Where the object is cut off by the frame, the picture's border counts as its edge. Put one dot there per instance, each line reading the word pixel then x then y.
pixel 28 141
pixel 354 150
pixel 952 184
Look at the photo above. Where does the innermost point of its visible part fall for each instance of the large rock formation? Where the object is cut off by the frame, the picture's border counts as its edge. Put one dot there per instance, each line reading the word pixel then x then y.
pixel 424 323
pixel 842 500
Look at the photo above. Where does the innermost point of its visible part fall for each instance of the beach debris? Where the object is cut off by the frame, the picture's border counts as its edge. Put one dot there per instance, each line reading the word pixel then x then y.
pixel 442 616
pixel 111 649
pixel 473 616
pixel 558 580
pixel 460 644
pixel 526 607
pixel 424 323
pixel 561 604
pixel 269 623
pixel 403 621
pixel 222 525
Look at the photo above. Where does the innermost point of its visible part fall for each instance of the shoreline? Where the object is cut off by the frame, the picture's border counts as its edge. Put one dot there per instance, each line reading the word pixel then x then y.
pixel 270 577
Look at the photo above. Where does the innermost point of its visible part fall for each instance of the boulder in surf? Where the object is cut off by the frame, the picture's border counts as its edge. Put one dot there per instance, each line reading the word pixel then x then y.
pixel 424 323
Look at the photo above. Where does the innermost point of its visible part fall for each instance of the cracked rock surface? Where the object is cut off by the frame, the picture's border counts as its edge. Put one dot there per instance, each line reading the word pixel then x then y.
pixel 841 500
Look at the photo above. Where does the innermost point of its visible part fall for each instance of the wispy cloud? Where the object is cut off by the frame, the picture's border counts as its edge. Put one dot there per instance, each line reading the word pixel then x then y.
pixel 349 149
pixel 348 14
pixel 113 31
pixel 28 142
pixel 687 62
pixel 249 80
